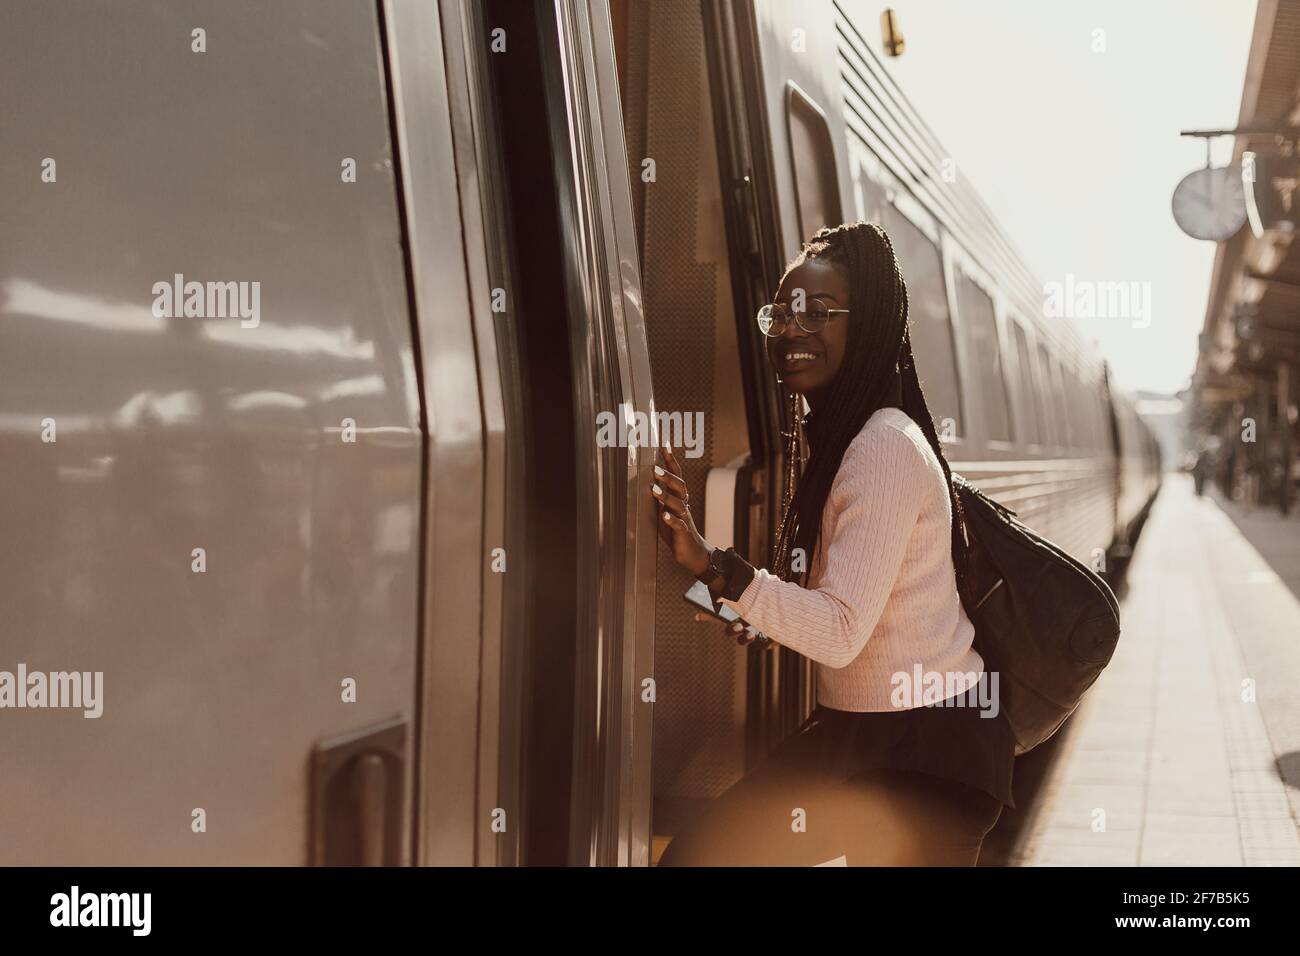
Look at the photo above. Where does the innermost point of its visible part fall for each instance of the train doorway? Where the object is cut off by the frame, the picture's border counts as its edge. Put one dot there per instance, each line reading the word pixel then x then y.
pixel 690 192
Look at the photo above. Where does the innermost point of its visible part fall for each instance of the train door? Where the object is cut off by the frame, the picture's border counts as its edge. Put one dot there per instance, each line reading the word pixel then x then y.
pixel 576 653
pixel 702 384
pixel 363 583
pixel 210 429
pixel 462 730
pixel 720 115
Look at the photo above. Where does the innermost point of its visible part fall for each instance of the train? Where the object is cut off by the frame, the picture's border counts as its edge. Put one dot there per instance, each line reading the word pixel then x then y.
pixel 333 530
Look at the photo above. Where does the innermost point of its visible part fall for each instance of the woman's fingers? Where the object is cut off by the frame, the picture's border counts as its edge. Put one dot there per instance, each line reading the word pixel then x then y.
pixel 666 534
pixel 671 483
pixel 704 617
pixel 672 510
pixel 750 636
pixel 736 629
pixel 671 461
pixel 669 500
pixel 674 522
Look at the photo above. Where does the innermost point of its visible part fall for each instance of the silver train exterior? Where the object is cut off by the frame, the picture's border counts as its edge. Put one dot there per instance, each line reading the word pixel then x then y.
pixel 362 583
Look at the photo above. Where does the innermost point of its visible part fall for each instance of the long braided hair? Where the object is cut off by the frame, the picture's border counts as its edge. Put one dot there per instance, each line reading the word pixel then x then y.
pixel 877 371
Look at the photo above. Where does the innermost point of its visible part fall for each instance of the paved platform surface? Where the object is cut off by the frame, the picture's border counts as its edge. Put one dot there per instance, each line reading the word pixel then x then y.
pixel 1187 750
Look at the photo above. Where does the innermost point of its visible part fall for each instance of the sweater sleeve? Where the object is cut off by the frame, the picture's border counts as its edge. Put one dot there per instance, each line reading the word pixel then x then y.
pixel 877 496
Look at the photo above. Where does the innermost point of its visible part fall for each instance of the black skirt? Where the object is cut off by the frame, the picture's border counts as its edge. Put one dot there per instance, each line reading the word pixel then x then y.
pixel 956 743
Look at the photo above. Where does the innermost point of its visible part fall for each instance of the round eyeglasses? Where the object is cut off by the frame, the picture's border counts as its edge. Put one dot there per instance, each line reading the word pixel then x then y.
pixel 773 319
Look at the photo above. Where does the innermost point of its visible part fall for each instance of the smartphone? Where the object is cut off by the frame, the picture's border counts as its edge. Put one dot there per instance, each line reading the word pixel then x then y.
pixel 700 598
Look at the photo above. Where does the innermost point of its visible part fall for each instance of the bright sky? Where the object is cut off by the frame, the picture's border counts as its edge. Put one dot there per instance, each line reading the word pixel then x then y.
pixel 1077 152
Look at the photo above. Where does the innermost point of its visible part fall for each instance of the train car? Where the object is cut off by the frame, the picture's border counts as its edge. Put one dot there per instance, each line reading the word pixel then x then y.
pixel 1139 475
pixel 321 328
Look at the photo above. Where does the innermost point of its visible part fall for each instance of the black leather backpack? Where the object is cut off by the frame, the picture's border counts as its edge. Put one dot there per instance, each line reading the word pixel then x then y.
pixel 1046 623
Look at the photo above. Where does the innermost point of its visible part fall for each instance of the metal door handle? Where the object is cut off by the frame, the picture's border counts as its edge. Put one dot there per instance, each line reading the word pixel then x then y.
pixel 358 795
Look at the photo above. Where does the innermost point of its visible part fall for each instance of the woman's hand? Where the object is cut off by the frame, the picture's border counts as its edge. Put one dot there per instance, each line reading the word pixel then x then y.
pixel 736 630
pixel 676 526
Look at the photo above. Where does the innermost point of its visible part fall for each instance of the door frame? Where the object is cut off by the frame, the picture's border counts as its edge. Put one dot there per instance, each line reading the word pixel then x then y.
pixel 457 673
pixel 610 811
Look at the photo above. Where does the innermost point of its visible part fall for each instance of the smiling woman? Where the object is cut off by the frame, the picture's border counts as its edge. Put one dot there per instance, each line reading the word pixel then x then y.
pixel 808 330
pixel 875 510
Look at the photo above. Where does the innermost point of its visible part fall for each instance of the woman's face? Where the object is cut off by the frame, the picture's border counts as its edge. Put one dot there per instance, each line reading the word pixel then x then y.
pixel 808 362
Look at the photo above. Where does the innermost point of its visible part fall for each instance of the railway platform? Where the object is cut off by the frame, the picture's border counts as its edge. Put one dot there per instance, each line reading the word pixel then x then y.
pixel 1187 750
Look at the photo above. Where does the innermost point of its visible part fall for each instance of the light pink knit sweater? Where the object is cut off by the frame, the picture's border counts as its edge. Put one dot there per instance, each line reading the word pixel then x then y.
pixel 881 597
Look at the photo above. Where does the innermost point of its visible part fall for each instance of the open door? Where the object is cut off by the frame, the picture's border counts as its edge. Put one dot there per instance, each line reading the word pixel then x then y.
pixel 718 123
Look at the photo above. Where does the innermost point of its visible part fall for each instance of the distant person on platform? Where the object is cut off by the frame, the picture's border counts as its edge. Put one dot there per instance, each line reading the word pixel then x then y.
pixel 1204 465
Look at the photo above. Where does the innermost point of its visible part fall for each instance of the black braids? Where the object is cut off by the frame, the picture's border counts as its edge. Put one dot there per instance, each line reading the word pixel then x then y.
pixel 878 358
pixel 865 377
pixel 918 409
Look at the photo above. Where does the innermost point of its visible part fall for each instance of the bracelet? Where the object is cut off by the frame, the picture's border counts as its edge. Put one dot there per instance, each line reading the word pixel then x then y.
pixel 714 569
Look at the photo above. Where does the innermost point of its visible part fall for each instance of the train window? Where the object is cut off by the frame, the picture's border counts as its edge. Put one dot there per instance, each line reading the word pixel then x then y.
pixel 1076 413
pixel 1065 403
pixel 1028 408
pixel 870 197
pixel 976 311
pixel 1078 410
pixel 1049 398
pixel 868 192
pixel 1083 402
pixel 1100 421
pixel 1096 416
pixel 812 156
pixel 932 332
